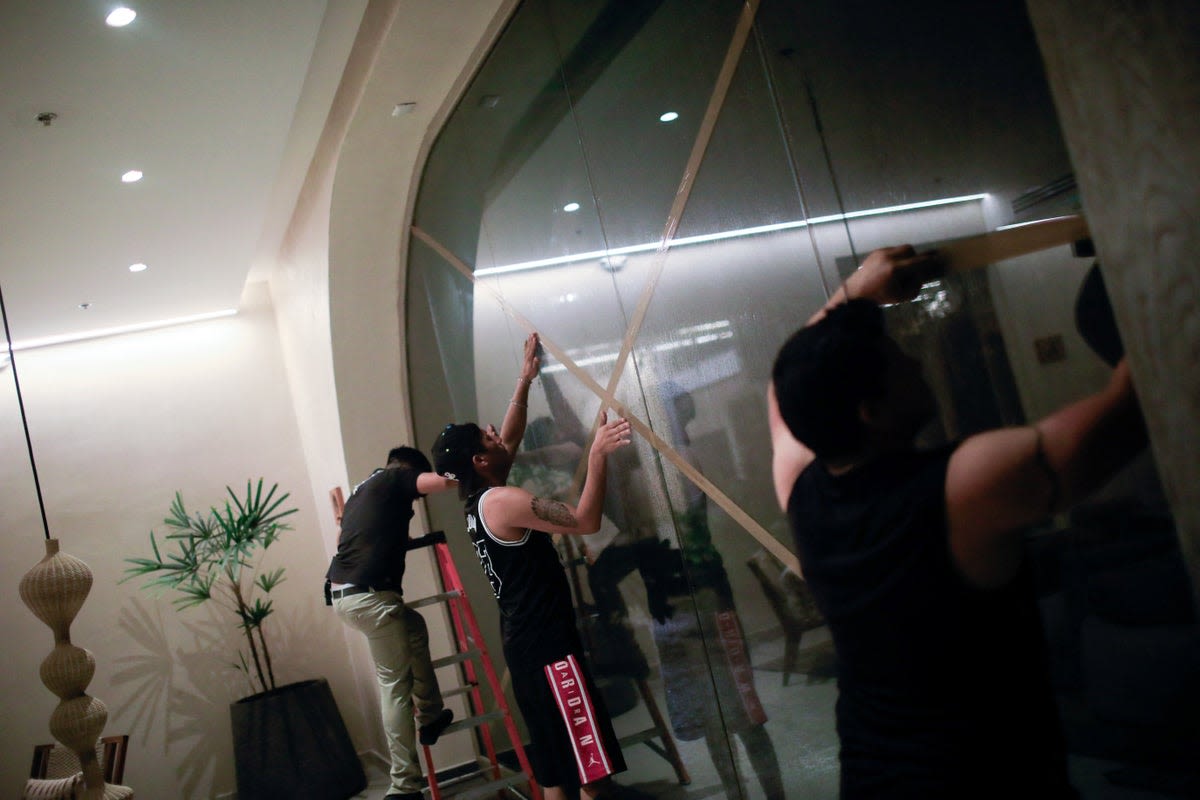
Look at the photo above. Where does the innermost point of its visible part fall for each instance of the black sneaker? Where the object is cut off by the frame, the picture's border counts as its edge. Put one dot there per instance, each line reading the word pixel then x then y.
pixel 428 734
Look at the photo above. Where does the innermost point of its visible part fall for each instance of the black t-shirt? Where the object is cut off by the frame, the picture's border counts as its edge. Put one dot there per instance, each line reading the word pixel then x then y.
pixel 537 620
pixel 374 536
pixel 944 688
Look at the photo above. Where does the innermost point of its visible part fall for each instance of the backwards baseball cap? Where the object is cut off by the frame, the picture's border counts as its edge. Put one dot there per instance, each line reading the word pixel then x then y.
pixel 454 447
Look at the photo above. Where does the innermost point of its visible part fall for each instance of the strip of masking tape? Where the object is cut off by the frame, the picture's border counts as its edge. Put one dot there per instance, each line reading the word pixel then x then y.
pixel 708 123
pixel 760 534
pixel 973 252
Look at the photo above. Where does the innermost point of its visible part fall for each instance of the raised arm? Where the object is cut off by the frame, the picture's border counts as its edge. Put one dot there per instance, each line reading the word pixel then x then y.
pixel 513 427
pixel 432 483
pixel 1000 481
pixel 510 510
pixel 887 275
pixel 788 456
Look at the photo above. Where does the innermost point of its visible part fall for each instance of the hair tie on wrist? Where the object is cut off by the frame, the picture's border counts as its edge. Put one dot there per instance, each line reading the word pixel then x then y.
pixel 518 405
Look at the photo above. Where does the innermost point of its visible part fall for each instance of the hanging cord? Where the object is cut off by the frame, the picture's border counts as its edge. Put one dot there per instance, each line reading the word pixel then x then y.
pixel 12 362
pixel 837 189
pixel 787 139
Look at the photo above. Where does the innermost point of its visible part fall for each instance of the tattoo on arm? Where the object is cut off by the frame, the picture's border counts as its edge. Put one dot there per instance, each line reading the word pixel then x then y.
pixel 554 512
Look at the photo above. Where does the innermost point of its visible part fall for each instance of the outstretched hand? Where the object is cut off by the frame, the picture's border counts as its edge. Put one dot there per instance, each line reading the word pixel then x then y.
pixel 532 362
pixel 611 435
pixel 895 274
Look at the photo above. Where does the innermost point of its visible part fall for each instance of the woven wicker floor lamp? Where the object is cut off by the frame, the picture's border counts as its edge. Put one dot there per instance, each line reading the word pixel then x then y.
pixel 54 590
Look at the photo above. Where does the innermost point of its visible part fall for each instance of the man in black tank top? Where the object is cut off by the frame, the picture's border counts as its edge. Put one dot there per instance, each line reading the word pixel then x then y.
pixel 915 558
pixel 574 744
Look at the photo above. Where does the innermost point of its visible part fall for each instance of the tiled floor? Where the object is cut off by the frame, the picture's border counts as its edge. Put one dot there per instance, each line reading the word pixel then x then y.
pixel 803 738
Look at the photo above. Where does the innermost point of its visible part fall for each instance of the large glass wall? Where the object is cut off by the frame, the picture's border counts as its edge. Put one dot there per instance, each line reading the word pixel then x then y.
pixel 665 190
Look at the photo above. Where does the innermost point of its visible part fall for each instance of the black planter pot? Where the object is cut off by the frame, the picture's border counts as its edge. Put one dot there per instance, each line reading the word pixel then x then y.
pixel 291 743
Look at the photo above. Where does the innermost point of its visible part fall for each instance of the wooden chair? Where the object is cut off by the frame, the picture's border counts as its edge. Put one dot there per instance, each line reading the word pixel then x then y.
pixel 55 763
pixel 791 600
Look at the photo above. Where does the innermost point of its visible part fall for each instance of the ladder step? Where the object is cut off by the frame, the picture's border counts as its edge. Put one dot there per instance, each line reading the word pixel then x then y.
pixel 482 789
pixel 473 722
pixel 456 658
pixel 460 690
pixel 434 598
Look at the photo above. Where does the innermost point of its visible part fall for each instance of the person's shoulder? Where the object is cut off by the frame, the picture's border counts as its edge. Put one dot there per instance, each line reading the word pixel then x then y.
pixel 505 495
pixel 399 478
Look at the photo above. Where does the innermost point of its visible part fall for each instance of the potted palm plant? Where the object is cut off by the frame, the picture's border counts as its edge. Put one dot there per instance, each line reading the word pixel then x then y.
pixel 289 741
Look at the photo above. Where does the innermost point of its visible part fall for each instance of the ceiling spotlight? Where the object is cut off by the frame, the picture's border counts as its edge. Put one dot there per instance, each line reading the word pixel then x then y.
pixel 133 176
pixel 400 109
pixel 571 207
pixel 138 267
pixel 84 306
pixel 120 17
pixel 669 116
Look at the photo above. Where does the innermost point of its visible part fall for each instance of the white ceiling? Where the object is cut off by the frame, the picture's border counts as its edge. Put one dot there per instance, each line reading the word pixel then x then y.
pixel 219 103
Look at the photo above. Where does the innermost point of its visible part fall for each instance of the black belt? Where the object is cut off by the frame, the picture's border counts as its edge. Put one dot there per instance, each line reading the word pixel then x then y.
pixel 348 591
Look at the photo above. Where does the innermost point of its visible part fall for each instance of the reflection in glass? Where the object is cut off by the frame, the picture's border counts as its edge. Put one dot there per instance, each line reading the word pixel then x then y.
pixel 835 135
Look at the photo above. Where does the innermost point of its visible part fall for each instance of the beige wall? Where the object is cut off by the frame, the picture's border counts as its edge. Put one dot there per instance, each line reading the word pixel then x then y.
pixel 370 206
pixel 1126 82
pixel 118 425
pixel 1035 298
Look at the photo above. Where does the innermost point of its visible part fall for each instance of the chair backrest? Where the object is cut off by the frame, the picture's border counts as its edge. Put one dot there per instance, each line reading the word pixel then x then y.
pixel 56 761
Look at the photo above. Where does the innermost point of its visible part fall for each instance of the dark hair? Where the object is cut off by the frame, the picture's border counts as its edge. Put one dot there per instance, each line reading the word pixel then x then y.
pixel 825 371
pixel 409 457
pixel 453 452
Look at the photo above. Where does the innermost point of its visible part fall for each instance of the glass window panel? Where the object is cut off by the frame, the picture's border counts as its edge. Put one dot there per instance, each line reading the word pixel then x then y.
pixel 916 102
pixel 439 303
pixel 650 64
pixel 840 117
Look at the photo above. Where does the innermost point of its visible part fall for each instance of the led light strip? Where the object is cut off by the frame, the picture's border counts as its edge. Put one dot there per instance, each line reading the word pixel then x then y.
pixel 595 255
pixel 46 341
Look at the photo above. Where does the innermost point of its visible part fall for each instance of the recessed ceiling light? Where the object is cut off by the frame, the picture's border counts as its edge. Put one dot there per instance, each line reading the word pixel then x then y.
pixel 570 207
pixel 138 267
pixel 120 17
pixel 133 176
pixel 84 306
pixel 670 116
pixel 400 109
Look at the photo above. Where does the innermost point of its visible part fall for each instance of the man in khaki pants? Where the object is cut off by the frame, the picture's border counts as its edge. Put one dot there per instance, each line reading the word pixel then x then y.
pixel 364 584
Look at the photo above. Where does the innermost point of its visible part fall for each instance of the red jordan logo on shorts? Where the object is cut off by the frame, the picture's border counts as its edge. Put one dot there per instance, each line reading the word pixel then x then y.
pixel 739 664
pixel 571 695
